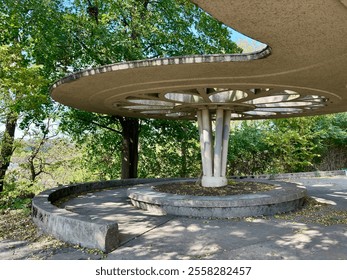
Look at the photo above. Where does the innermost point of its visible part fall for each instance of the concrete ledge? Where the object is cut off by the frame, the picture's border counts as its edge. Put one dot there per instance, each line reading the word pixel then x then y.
pixel 78 229
pixel 285 197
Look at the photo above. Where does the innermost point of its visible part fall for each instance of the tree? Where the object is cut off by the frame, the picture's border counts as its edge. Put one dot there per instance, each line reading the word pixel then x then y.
pixel 289 145
pixel 36 161
pixel 21 96
pixel 47 161
pixel 333 149
pixel 249 152
pixel 100 137
pixel 25 74
pixel 295 143
pixel 169 149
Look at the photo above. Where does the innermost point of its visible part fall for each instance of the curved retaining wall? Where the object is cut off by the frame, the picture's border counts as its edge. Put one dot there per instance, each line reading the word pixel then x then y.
pixel 74 228
pixel 285 197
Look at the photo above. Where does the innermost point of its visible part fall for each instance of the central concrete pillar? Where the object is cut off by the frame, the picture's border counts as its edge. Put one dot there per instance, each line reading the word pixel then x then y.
pixel 214 153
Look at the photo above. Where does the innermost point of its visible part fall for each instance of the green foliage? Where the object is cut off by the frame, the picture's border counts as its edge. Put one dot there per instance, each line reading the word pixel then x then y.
pixel 294 143
pixel 17 194
pixel 289 145
pixel 249 153
pixel 21 84
pixel 169 149
pixel 334 128
pixel 333 149
pixel 100 140
pixel 57 162
pixel 102 155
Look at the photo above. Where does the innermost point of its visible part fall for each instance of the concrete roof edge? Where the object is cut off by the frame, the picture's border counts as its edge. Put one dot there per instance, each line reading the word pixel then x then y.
pixel 187 59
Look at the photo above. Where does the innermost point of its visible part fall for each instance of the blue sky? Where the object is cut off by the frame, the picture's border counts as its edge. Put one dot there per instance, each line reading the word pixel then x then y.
pixel 248 44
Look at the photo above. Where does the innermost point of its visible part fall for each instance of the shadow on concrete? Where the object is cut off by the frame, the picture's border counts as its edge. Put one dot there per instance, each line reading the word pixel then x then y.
pixel 150 236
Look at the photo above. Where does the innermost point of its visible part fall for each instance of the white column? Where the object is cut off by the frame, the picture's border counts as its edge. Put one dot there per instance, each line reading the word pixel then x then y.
pixel 201 133
pixel 207 142
pixel 226 133
pixel 214 157
pixel 218 144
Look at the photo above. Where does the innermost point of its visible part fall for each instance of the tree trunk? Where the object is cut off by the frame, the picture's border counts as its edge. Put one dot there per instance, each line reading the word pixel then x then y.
pixel 130 134
pixel 7 146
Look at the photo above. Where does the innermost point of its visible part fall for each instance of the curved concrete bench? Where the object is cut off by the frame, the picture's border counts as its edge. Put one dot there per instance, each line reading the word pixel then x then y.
pixel 285 197
pixel 74 228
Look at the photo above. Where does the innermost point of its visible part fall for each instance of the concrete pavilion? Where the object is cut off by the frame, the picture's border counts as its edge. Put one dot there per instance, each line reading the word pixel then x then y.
pixel 301 72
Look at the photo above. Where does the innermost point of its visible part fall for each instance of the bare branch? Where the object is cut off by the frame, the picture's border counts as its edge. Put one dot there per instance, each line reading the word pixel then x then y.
pixel 106 127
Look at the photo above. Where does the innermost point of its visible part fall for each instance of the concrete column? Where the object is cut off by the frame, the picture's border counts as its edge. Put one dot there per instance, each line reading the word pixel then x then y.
pixel 207 142
pixel 226 133
pixel 214 157
pixel 201 133
pixel 218 144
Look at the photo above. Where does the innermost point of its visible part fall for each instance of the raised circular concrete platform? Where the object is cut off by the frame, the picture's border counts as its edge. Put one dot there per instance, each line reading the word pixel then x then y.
pixel 284 198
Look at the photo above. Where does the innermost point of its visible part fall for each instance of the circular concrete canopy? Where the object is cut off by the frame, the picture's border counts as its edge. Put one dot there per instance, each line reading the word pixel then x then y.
pixel 302 72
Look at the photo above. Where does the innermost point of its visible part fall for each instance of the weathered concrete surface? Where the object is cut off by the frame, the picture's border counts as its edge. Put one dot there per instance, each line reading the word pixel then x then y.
pixel 146 236
pixel 284 198
pixel 187 238
pixel 159 237
pixel 332 191
pixel 114 206
pixel 70 227
pixel 74 228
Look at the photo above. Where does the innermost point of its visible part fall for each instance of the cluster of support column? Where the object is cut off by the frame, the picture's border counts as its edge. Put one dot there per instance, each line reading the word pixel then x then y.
pixel 214 153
